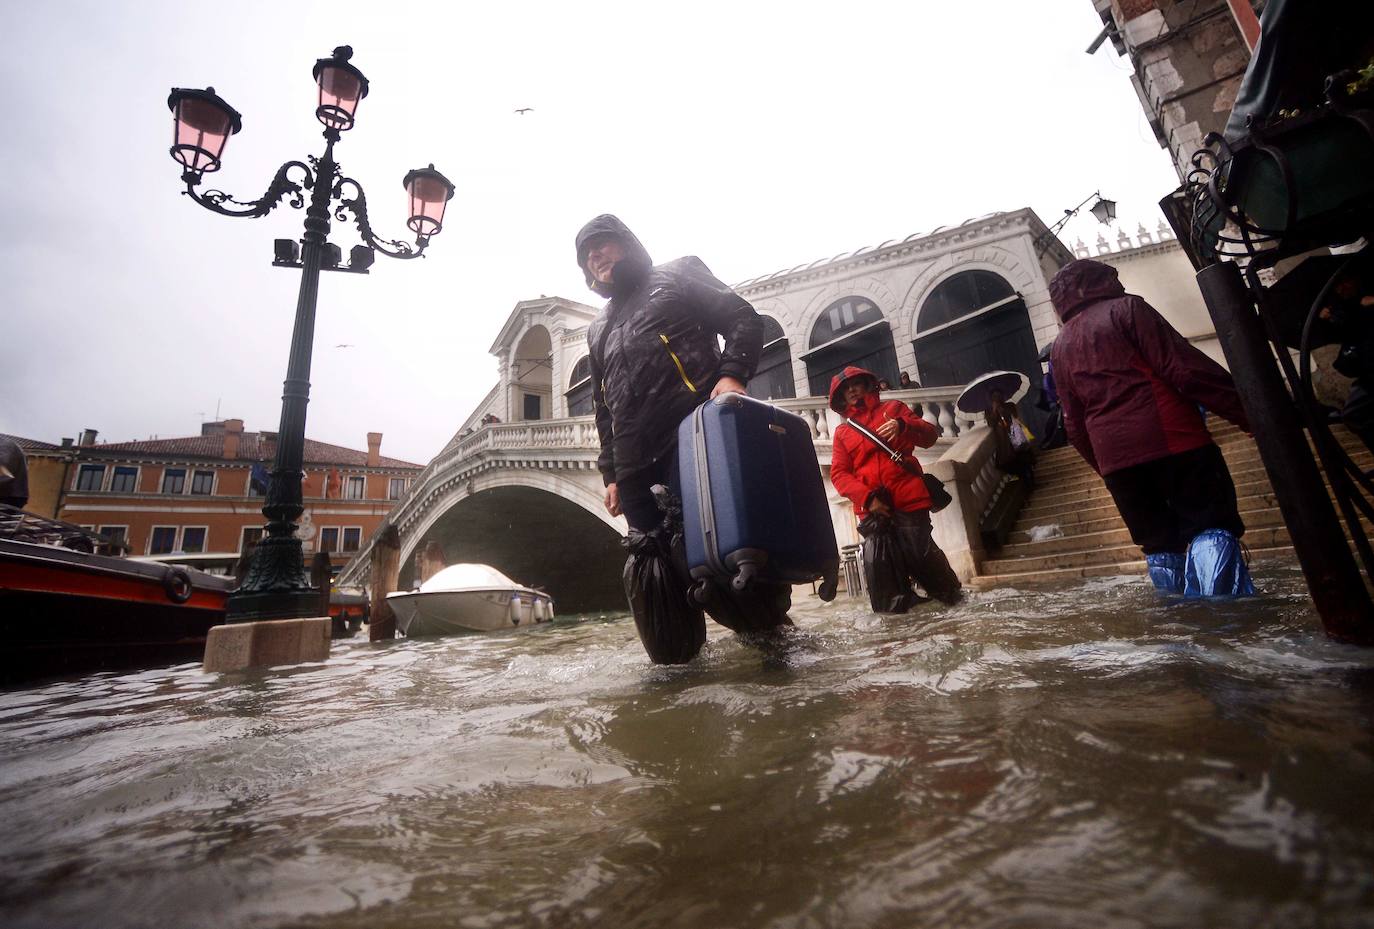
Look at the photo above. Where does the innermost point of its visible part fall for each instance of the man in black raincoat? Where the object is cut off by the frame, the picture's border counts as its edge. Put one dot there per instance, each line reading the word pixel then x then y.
pixel 655 357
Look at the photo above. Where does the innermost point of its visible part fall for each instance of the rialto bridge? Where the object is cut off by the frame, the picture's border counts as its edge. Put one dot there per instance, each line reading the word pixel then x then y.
pixel 517 486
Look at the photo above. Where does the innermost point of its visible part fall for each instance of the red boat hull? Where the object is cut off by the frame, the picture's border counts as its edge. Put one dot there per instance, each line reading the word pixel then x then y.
pixel 66 612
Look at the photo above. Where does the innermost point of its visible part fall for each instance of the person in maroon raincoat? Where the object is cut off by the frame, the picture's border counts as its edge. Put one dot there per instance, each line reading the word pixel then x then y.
pixel 888 498
pixel 1130 387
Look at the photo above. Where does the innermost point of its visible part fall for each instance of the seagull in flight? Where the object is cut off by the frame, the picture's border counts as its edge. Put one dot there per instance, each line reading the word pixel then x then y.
pixel 344 345
pixel 525 109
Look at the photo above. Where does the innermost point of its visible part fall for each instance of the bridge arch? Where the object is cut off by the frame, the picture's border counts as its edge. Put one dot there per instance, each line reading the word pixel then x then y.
pixel 539 529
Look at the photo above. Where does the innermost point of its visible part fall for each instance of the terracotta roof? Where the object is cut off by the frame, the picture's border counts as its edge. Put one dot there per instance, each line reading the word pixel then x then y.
pixel 31 445
pixel 253 446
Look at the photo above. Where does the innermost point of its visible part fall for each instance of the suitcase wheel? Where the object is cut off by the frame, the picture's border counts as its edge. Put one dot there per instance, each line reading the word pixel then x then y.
pixel 828 588
pixel 699 594
pixel 744 577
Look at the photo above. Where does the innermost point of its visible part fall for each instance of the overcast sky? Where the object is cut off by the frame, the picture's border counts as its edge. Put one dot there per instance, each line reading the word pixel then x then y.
pixel 756 135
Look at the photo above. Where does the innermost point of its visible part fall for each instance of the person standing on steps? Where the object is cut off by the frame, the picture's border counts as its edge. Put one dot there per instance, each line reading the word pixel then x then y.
pixel 1130 387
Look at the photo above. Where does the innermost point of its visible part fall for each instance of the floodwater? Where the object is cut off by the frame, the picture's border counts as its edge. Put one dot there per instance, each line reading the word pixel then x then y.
pixel 1078 757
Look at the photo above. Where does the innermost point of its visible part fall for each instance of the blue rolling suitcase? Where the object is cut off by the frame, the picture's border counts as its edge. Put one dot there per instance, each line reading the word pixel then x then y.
pixel 753 500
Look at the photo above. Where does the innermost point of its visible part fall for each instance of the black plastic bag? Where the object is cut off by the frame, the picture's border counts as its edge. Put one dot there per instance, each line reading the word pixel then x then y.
pixel 886 572
pixel 899 553
pixel 671 628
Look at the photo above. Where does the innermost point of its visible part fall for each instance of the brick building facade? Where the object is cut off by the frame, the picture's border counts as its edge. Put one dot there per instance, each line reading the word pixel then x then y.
pixel 204 494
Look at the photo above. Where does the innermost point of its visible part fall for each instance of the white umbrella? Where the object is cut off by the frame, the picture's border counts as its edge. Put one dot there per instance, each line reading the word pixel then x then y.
pixel 976 397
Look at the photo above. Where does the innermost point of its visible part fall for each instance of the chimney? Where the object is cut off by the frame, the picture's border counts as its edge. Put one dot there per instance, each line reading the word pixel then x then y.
pixel 67 443
pixel 233 431
pixel 88 436
pixel 374 449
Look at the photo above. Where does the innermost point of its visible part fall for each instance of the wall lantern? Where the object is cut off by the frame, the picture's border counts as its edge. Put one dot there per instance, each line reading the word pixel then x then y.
pixel 1104 209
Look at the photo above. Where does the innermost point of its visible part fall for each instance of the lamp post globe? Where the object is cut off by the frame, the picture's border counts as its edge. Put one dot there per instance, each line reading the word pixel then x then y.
pixel 201 126
pixel 429 194
pixel 342 87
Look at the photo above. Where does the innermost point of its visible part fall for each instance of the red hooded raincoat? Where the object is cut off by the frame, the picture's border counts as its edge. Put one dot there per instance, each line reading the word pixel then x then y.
pixel 858 467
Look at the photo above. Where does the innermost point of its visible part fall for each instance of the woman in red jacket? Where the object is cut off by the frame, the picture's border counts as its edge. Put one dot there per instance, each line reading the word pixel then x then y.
pixel 891 500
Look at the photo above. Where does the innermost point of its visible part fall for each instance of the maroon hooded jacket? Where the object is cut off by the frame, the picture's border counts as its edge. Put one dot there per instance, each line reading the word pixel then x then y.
pixel 857 466
pixel 1129 384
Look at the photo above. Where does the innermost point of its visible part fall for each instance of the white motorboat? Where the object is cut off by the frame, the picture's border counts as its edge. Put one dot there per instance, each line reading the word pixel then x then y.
pixel 467 598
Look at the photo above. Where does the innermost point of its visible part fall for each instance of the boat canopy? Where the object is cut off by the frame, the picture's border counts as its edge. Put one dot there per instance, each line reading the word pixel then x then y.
pixel 467 577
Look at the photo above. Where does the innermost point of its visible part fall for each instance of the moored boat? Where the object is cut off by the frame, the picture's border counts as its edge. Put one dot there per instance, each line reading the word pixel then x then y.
pixel 68 611
pixel 469 598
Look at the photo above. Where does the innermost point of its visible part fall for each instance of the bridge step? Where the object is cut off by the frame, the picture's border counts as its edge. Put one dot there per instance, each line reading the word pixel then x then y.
pixel 1092 540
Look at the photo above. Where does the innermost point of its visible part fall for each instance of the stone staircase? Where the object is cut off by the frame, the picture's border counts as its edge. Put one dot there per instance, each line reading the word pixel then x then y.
pixel 1095 541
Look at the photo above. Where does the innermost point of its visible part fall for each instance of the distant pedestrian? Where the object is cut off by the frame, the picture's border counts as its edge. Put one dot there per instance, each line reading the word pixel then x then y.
pixel 1130 387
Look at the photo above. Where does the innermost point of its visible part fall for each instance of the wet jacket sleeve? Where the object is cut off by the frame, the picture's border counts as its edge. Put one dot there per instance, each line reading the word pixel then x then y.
pixel 843 476
pixel 726 312
pixel 913 431
pixel 605 461
pixel 1180 364
pixel 1074 423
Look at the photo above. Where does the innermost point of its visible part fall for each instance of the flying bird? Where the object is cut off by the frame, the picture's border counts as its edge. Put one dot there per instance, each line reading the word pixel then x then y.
pixel 525 109
pixel 344 345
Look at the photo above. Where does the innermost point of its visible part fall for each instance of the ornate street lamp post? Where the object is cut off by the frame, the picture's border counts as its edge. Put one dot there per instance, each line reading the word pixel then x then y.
pixel 277 586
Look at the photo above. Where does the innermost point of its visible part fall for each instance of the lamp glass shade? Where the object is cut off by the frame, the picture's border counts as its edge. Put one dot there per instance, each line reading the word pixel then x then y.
pixel 429 194
pixel 202 124
pixel 341 87
pixel 1104 210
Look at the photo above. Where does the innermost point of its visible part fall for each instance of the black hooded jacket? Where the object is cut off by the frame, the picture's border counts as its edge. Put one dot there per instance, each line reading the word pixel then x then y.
pixel 654 353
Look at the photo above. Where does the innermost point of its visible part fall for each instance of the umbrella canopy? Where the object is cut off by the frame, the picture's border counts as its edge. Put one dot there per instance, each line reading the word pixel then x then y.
pixel 976 397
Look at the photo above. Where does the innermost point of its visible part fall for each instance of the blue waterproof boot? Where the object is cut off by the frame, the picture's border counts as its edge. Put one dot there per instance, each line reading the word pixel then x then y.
pixel 1216 566
pixel 1166 571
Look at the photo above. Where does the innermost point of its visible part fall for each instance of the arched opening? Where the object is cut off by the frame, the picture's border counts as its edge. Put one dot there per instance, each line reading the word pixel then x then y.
pixel 773 380
pixel 531 376
pixel 973 323
pixel 850 331
pixel 525 533
pixel 579 392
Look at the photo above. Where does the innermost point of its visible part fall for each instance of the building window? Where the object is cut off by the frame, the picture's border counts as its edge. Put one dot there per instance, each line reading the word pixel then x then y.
pixel 257 480
pixel 329 539
pixel 396 488
pixel 114 535
pixel 352 538
pixel 252 535
pixel 850 331
pixel 90 477
pixel 163 540
pixel 193 539
pixel 773 378
pixel 531 407
pixel 579 395
pixel 124 480
pixel 355 488
pixel 174 480
pixel 203 482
